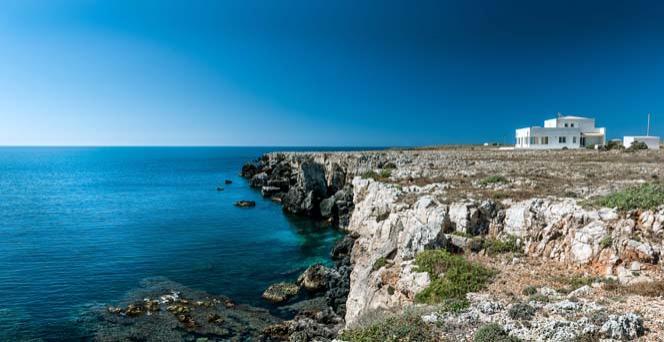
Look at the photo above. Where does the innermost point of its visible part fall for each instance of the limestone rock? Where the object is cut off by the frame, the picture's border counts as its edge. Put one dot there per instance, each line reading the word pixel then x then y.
pixel 280 292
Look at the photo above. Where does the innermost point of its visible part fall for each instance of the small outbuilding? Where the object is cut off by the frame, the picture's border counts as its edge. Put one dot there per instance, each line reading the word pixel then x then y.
pixel 652 142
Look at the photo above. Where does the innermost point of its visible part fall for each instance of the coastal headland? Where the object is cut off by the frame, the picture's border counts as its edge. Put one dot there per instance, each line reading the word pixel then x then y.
pixel 468 242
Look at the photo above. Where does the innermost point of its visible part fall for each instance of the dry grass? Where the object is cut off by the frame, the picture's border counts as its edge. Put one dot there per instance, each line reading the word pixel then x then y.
pixel 646 289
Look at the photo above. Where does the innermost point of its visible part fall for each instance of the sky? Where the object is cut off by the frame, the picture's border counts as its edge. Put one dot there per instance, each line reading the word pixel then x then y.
pixel 323 73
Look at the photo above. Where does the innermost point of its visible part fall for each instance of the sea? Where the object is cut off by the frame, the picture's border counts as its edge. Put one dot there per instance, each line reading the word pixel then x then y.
pixel 82 226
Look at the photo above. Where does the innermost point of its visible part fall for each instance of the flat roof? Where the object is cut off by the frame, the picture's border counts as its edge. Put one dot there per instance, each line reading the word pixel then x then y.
pixel 573 117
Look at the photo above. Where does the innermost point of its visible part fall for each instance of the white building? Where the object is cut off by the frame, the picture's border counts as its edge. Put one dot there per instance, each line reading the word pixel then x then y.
pixel 561 132
pixel 651 141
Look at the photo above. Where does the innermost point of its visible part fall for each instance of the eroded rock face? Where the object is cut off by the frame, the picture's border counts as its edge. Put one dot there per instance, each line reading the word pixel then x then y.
pixel 391 228
pixel 304 185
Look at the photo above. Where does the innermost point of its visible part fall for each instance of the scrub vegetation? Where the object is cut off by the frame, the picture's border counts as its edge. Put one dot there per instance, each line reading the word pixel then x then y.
pixel 452 276
pixel 644 196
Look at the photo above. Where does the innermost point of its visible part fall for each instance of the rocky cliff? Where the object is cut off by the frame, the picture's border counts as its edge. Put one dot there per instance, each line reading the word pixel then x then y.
pixel 396 204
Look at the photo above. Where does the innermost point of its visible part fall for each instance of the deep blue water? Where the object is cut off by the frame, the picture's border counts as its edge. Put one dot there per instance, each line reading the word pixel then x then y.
pixel 83 226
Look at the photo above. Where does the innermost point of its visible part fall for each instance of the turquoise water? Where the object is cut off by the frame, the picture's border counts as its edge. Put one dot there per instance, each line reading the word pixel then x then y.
pixel 80 227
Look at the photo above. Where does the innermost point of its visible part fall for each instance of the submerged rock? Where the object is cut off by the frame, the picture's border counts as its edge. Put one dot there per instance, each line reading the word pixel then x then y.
pixel 245 204
pixel 162 310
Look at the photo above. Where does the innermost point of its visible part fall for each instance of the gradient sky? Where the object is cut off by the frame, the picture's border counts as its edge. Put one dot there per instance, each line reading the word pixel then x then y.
pixel 334 73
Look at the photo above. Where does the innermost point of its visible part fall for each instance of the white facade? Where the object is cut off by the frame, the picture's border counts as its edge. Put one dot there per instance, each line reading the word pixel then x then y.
pixel 564 131
pixel 652 141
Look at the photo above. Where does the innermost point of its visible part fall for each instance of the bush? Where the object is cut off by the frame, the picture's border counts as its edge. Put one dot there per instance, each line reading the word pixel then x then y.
pixel 493 179
pixel 529 290
pixel 644 196
pixel 496 246
pixel 452 276
pixel 371 174
pixel 521 311
pixel 615 145
pixel 539 298
pixel 454 304
pixel 637 145
pixel 606 242
pixel 379 263
pixel 493 333
pixel 406 327
pixel 385 173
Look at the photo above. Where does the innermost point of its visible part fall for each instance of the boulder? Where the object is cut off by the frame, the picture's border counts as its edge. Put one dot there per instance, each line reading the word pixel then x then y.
pixel 626 327
pixel 280 292
pixel 585 243
pixel 327 207
pixel 314 278
pixel 245 204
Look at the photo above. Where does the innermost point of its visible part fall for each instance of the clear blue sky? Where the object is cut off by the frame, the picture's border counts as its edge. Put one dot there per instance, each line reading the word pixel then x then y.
pixel 374 72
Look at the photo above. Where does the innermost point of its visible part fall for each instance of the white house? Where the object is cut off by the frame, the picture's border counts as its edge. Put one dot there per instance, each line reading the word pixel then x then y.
pixel 651 141
pixel 561 132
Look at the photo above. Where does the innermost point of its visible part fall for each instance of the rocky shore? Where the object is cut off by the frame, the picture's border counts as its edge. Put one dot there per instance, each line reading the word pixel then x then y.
pixel 456 244
pixel 397 204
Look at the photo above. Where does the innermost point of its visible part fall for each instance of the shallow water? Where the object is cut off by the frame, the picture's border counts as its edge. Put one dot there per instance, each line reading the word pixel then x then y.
pixel 81 227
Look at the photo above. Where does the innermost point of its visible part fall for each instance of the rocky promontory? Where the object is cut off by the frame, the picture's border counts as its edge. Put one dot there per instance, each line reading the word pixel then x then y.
pixel 552 245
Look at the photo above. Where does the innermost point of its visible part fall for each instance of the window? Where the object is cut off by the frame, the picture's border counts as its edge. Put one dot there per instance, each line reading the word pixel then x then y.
pixel 562 140
pixel 565 124
pixel 574 140
pixel 545 140
pixel 536 141
pixel 571 125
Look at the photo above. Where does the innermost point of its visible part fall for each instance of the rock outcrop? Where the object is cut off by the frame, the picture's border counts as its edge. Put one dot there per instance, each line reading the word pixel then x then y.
pixel 612 244
pixel 305 185
pixel 409 201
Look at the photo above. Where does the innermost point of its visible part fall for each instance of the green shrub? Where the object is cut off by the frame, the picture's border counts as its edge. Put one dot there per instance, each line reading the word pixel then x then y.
pixel 637 145
pixel 615 145
pixel 385 173
pixel 606 242
pixel 390 166
pixel 645 196
pixel 529 290
pixel 539 298
pixel 452 276
pixel 371 174
pixel 496 246
pixel 493 333
pixel 454 304
pixel 379 263
pixel 493 179
pixel 405 327
pixel 521 311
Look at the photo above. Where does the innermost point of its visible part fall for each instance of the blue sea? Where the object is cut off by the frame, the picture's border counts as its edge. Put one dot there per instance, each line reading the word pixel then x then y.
pixel 80 227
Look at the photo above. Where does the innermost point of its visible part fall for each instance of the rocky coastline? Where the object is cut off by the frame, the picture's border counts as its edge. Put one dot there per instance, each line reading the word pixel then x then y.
pixel 557 265
pixel 396 204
